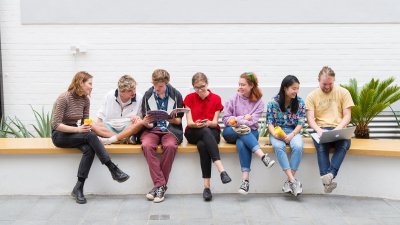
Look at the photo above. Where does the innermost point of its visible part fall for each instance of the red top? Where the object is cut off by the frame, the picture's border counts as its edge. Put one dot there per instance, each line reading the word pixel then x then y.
pixel 203 108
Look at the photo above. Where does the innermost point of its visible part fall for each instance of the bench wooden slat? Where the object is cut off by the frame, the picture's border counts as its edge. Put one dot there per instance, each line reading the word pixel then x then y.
pixel 377 147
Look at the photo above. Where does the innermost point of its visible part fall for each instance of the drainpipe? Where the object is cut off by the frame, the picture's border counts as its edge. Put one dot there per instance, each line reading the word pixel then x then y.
pixel 1 84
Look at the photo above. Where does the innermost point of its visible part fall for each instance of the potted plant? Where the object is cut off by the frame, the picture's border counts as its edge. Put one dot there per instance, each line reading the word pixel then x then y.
pixel 369 101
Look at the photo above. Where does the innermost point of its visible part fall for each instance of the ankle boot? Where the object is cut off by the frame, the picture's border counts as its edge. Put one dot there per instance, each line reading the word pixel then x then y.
pixel 117 174
pixel 77 193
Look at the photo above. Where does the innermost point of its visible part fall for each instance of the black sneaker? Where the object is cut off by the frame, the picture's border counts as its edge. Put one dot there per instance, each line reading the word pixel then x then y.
pixel 152 193
pixel 160 192
pixel 225 177
pixel 244 187
pixel 207 194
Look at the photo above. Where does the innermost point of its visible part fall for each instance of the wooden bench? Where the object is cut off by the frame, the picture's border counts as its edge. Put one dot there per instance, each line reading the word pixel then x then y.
pixel 373 147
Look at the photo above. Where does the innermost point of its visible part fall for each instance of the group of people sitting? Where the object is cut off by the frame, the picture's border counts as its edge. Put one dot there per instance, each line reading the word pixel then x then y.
pixel 124 118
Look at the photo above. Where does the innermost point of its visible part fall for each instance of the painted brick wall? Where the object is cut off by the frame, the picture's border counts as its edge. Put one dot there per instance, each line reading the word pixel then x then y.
pixel 38 64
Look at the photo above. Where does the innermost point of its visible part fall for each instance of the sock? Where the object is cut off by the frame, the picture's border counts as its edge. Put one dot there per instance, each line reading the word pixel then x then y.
pixel 113 139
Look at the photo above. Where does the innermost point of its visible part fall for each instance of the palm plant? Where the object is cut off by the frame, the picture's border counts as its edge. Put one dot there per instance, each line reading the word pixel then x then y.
pixel 395 116
pixel 373 98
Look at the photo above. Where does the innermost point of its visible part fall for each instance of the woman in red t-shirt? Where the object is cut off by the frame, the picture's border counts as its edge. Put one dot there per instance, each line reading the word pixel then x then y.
pixel 203 130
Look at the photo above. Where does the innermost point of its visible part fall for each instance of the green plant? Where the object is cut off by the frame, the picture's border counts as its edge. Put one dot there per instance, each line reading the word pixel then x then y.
pixel 304 131
pixel 16 128
pixel 3 128
pixel 395 116
pixel 43 122
pixel 373 98
pixel 263 129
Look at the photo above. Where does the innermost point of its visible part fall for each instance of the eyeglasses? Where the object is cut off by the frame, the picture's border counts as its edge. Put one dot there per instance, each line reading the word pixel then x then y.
pixel 251 76
pixel 199 87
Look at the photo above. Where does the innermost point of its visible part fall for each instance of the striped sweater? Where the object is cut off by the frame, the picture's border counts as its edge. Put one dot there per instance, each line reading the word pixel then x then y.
pixel 69 108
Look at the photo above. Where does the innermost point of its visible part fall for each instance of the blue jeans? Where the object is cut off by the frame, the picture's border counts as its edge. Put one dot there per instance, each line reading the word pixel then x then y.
pixel 332 166
pixel 245 145
pixel 296 146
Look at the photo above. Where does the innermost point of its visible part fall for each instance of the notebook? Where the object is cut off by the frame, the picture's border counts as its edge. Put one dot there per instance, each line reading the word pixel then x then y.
pixel 334 135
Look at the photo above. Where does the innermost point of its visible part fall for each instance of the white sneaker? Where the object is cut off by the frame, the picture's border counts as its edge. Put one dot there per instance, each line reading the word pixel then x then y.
pixel 296 187
pixel 268 162
pixel 160 194
pixel 244 187
pixel 327 178
pixel 328 188
pixel 152 193
pixel 286 187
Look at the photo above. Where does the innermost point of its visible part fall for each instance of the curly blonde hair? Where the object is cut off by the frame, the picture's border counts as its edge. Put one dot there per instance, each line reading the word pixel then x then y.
pixel 126 83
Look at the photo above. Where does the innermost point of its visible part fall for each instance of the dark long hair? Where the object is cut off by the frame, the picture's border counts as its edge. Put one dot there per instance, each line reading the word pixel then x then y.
pixel 294 104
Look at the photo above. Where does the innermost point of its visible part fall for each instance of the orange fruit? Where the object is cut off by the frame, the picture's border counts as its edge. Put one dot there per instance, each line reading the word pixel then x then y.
pixel 87 121
pixel 232 122
pixel 279 132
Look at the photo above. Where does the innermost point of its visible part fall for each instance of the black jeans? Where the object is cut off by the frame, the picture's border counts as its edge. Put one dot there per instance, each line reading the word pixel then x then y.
pixel 207 140
pixel 88 143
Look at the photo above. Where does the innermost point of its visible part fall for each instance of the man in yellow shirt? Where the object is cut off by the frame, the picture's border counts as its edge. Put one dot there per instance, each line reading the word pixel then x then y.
pixel 328 108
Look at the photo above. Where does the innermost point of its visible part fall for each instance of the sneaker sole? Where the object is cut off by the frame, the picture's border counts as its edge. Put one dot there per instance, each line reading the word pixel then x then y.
pixel 297 194
pixel 158 200
pixel 240 191
pixel 271 163
pixel 149 197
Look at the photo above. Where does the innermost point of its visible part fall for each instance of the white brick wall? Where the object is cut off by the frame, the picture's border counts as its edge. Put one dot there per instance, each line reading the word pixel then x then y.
pixel 38 64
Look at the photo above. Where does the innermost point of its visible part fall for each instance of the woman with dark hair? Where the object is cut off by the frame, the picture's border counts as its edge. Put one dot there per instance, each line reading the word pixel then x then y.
pixel 286 116
pixel 203 130
pixel 241 116
pixel 73 106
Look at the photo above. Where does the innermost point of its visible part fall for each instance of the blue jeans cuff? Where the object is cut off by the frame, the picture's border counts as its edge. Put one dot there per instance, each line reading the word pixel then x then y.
pixel 245 169
pixel 255 148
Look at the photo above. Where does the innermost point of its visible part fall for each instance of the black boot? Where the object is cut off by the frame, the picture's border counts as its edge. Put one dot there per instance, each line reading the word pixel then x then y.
pixel 117 174
pixel 77 193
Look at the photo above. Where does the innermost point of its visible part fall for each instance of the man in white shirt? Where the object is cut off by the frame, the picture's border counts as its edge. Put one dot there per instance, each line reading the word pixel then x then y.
pixel 117 118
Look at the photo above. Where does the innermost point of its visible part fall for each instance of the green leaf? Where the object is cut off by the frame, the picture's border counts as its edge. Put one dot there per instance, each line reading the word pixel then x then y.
pixel 43 122
pixel 374 97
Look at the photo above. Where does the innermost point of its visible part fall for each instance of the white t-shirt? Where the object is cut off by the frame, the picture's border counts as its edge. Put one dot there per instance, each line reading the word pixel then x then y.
pixel 113 109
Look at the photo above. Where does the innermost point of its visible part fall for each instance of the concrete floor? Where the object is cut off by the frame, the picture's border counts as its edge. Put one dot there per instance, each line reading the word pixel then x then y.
pixel 191 209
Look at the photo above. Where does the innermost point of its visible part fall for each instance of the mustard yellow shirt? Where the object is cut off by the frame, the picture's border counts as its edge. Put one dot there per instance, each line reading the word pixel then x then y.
pixel 328 107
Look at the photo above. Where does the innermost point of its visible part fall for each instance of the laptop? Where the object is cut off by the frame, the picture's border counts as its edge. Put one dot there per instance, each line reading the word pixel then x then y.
pixel 334 135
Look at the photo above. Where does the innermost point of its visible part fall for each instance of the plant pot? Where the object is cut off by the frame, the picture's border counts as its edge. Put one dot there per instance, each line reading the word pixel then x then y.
pixel 362 132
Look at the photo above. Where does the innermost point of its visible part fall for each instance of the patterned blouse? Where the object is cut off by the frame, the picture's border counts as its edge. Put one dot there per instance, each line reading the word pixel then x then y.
pixel 276 117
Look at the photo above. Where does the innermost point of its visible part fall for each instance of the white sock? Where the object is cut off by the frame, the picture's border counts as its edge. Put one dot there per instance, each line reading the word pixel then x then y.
pixel 113 139
pixel 108 141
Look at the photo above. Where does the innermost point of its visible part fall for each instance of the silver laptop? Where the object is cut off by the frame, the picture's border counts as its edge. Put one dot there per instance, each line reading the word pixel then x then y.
pixel 334 135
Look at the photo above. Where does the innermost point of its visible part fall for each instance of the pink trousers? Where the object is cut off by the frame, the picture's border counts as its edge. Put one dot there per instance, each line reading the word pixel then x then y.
pixel 159 167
